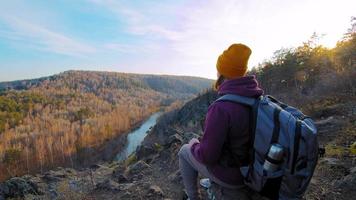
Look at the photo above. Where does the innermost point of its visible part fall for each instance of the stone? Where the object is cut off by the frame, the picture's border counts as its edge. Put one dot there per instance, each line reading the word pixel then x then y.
pixel 175 177
pixel 144 151
pixel 137 167
pixel 70 171
pixel 51 178
pixel 18 187
pixel 353 170
pixel 174 139
pixel 126 186
pixel 189 135
pixel 109 185
pixel 95 166
pixel 348 182
pixel 119 170
pixel 122 178
pixel 331 161
pixel 55 176
pixel 155 190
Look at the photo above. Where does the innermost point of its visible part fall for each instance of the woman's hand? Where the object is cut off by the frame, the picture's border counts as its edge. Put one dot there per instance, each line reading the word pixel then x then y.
pixel 193 141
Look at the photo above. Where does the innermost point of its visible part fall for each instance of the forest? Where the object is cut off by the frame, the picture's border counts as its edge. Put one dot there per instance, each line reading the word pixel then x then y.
pixel 62 119
pixel 311 72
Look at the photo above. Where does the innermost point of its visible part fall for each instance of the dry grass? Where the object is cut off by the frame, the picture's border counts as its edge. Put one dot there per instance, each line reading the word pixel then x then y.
pixel 65 192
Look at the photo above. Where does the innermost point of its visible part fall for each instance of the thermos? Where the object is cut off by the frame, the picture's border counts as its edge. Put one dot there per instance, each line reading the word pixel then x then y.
pixel 206 183
pixel 274 158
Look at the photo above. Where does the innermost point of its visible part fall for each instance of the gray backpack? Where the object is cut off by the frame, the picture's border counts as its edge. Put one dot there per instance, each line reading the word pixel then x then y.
pixel 276 123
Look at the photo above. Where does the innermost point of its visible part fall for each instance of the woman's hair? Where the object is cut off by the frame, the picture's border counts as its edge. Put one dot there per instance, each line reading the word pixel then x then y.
pixel 219 82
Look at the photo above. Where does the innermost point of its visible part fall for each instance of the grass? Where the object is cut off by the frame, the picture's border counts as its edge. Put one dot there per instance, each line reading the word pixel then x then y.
pixel 353 149
pixel 65 192
pixel 333 150
pixel 131 159
pixel 158 147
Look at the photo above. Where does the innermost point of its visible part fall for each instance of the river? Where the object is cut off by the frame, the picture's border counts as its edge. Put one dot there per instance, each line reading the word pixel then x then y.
pixel 135 138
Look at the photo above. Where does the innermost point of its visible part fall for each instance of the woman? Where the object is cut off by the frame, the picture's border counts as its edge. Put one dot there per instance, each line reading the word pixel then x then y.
pixel 224 145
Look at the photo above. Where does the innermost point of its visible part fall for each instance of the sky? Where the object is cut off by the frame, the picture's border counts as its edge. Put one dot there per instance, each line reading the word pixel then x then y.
pixel 179 37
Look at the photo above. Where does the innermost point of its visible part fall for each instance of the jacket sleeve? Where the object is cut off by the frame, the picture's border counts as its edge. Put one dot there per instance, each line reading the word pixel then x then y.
pixel 216 128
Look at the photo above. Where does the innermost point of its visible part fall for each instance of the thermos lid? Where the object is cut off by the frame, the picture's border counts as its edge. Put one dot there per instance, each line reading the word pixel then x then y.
pixel 276 151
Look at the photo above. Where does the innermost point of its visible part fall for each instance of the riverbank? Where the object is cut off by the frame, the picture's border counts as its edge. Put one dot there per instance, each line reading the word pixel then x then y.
pixel 137 136
pixel 109 150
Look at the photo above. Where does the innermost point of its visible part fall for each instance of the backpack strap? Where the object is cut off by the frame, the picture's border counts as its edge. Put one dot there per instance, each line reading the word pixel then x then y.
pixel 238 99
pixel 253 103
pixel 276 128
pixel 274 100
pixel 297 136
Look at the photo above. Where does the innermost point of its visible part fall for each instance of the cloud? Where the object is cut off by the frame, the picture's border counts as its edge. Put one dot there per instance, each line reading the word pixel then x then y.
pixel 26 33
pixel 173 37
pixel 196 32
pixel 130 48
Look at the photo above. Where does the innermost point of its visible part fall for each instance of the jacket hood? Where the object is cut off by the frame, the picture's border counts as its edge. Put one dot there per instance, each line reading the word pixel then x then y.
pixel 245 86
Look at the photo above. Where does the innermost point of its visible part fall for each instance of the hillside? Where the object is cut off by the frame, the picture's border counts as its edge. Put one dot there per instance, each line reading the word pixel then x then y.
pixel 62 119
pixel 152 172
pixel 318 80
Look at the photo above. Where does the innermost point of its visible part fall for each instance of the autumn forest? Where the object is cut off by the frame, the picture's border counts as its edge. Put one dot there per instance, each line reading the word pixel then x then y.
pixel 66 119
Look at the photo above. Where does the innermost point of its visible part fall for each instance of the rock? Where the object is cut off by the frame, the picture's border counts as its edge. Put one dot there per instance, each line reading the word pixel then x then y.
pixel 94 166
pixel 41 186
pixel 137 167
pixel 18 187
pixel 144 151
pixel 70 171
pixel 155 190
pixel 50 178
pixel 353 170
pixel 174 139
pixel 325 121
pixel 137 177
pixel 123 178
pixel 331 161
pixel 54 176
pixel 119 170
pixel 175 177
pixel 126 186
pixel 108 184
pixel 102 173
pixel 53 193
pixel 73 185
pixel 348 182
pixel 189 135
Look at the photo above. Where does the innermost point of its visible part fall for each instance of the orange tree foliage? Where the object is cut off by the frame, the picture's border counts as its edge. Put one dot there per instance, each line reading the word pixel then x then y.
pixel 61 120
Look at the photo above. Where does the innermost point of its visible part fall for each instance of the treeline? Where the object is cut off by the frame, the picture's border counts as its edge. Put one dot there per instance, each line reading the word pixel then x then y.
pixel 311 71
pixel 60 120
pixel 301 76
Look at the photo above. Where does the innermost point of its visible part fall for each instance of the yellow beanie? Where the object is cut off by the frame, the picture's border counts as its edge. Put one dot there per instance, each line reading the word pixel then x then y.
pixel 232 63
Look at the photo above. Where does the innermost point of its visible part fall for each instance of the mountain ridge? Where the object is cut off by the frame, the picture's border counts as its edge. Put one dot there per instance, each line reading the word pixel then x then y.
pixel 12 84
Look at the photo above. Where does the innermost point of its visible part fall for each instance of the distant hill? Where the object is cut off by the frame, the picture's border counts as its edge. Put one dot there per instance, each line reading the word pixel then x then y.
pixel 92 81
pixel 64 118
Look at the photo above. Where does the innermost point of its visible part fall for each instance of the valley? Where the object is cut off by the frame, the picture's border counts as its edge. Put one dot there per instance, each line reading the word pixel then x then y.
pixel 78 118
